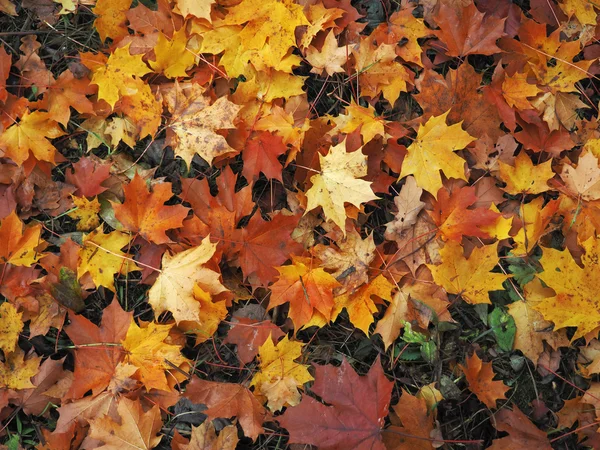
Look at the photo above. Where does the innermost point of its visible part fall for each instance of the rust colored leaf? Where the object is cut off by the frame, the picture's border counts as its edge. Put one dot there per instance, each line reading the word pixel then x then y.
pixel 355 417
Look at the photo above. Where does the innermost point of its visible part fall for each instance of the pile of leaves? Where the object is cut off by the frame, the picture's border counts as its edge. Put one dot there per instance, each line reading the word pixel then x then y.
pixel 283 224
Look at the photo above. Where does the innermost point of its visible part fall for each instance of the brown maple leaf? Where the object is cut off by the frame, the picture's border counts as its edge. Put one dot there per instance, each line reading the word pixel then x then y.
pixel 229 400
pixel 355 418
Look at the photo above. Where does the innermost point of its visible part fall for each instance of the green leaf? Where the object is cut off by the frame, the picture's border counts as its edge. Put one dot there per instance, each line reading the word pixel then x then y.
pixel 504 328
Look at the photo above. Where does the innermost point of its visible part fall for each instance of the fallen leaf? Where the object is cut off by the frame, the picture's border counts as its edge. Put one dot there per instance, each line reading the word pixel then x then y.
pixel 144 211
pixel 433 150
pixel 338 183
pixel 229 400
pixel 480 376
pixel 351 421
pixel 137 429
pixel 470 278
pixel 279 376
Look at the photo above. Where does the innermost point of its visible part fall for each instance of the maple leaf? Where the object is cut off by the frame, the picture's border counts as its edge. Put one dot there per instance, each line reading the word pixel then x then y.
pixel 329 59
pixel 173 290
pixel 205 437
pixel 101 256
pixel 306 287
pixel 144 212
pixel 50 383
pixel 68 91
pixel 584 180
pixel 31 136
pixel 111 18
pixel 532 331
pixel 575 303
pixel 351 421
pixel 469 278
pixel 120 75
pixel 362 119
pixel 409 205
pixel 194 122
pixel 229 400
pixel 455 220
pixel 196 8
pixel 20 245
pixel 86 212
pixel 466 31
pixel 260 155
pixel 379 72
pixel 33 69
pixel 338 183
pixel 433 150
pixel 12 325
pixel 403 26
pixel 210 313
pixel 521 432
pixel 172 57
pixel 269 18
pixel 280 376
pixel 136 430
pixel 459 92
pixel 95 363
pixel 516 90
pixel 349 263
pixel 414 423
pixel 359 303
pixel 534 221
pixel 16 371
pixel 480 376
pixel 248 335
pixel 524 177
pixel 146 349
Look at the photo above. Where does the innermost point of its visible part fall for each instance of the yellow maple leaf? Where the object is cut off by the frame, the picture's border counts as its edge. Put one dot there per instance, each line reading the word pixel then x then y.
pixel 516 90
pixel 147 350
pixel 339 183
pixel 11 325
pixel 583 10
pixel 111 21
pixel 172 56
pixel 329 59
pixel 576 303
pixel 532 330
pixel 20 245
pixel 357 117
pixel 30 134
pixel 280 376
pixel 194 122
pixel 119 76
pixel 135 430
pixel 16 371
pixel 378 71
pixel 101 256
pixel 196 8
pixel 524 177
pixel 359 304
pixel 86 212
pixel 173 290
pixel 204 437
pixel 469 278
pixel 272 20
pixel 534 222
pixel 584 180
pixel 433 150
pixel 211 315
